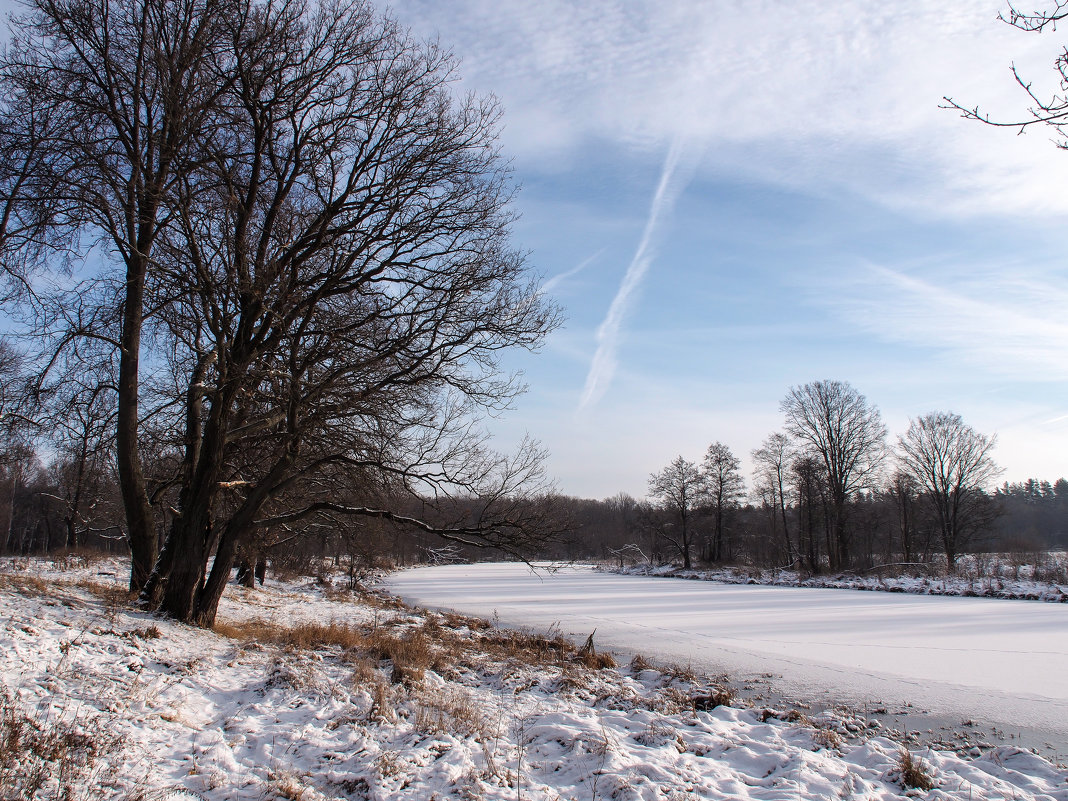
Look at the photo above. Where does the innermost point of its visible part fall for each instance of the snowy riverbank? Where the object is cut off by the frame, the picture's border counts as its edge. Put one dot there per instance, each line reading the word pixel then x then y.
pixel 309 692
pixel 1003 580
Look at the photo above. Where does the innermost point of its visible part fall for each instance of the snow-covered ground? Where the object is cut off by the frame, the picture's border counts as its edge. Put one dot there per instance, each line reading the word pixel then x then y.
pixel 999 662
pixel 319 694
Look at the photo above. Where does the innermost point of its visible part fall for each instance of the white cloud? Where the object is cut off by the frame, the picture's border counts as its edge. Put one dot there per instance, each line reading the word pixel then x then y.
pixel 802 93
pixel 1008 321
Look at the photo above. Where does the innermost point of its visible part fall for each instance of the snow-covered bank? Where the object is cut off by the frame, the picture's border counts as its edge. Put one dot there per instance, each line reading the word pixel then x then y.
pixel 998 662
pixel 1015 582
pixel 321 695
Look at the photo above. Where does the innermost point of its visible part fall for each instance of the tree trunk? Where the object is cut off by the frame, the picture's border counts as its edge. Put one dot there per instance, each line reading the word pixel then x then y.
pixel 186 573
pixel 140 523
pixel 209 595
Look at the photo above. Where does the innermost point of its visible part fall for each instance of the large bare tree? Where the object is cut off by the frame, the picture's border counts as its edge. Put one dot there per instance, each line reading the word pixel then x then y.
pixel 836 424
pixel 951 463
pixel 101 103
pixel 315 235
pixel 342 283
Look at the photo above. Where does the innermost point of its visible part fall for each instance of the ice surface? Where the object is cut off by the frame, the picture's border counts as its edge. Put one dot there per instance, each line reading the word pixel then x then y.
pixel 1002 662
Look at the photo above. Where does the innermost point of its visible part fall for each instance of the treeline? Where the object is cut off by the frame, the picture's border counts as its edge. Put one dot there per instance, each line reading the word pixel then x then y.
pixel 830 491
pixel 627 530
pixel 73 503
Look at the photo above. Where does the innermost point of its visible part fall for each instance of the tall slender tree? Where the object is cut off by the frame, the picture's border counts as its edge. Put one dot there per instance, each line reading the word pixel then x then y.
pixel 118 91
pixel 772 465
pixel 726 487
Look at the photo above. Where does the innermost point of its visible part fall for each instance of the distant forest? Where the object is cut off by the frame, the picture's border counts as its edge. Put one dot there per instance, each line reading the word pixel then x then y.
pixel 63 505
pixel 1028 517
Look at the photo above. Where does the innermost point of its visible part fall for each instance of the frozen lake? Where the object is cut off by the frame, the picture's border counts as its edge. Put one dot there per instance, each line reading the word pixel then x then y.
pixel 1000 662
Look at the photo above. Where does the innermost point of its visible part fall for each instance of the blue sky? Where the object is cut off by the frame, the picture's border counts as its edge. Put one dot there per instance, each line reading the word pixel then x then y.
pixel 732 199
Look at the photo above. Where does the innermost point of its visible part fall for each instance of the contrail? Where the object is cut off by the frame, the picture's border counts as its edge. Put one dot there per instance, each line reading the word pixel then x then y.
pixel 556 280
pixel 603 366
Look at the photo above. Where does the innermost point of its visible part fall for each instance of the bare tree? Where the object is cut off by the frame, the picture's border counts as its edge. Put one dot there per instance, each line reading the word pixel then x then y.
pixel 837 424
pixel 725 489
pixel 118 90
pixel 951 462
pixel 902 493
pixel 312 235
pixel 1051 110
pixel 341 283
pixel 681 489
pixel 813 500
pixel 772 460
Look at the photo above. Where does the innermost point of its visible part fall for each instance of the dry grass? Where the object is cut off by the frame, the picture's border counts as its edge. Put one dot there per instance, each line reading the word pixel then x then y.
pixel 914 772
pixel 452 712
pixel 717 696
pixel 30 586
pixel 826 738
pixel 789 716
pixel 640 663
pixel 302 637
pixel 114 596
pixel 539 650
pixel 410 652
pixel 46 754
pixel 441 643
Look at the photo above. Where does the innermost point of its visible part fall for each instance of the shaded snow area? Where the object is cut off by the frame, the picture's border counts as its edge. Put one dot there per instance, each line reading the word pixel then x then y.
pixel 998 662
pixel 310 692
pixel 1044 577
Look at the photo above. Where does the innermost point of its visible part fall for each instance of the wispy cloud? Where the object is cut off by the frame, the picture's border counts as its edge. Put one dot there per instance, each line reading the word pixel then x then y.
pixel 848 99
pixel 603 366
pixel 1010 324
pixel 559 278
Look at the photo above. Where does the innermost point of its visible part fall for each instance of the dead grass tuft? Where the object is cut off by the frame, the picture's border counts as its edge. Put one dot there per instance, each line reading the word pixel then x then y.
pixel 301 637
pixel 640 663
pixel 684 673
pixel 717 696
pixel 382 706
pixel 528 648
pixel 789 716
pixel 453 712
pixel 147 633
pixel 589 657
pixel 458 621
pixel 114 596
pixel 915 773
pixel 826 738
pixel 410 652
